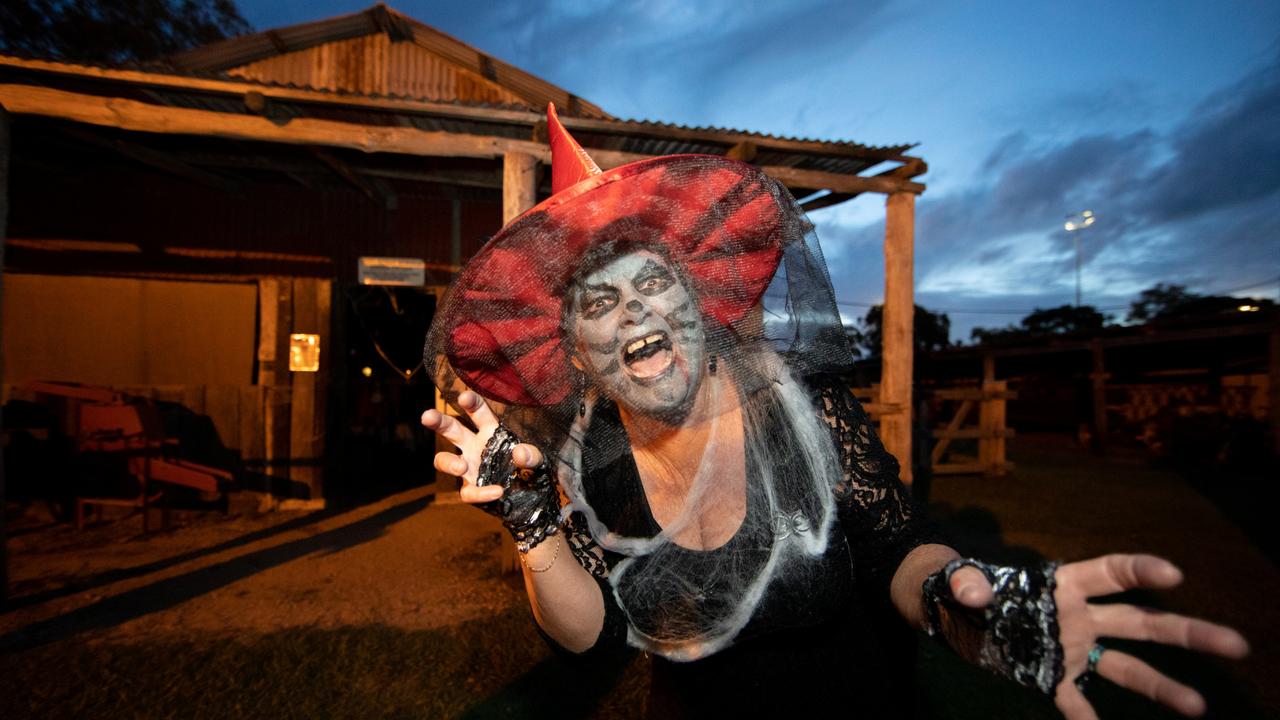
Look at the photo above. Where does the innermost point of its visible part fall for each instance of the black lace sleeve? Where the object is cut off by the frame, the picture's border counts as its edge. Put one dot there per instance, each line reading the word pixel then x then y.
pixel 595 560
pixel 880 517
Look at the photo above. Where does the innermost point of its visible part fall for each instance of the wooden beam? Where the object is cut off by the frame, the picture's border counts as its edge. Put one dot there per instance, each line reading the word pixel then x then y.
pixel 897 354
pixel 951 431
pixel 826 201
pixel 519 184
pixel 464 178
pixel 837 182
pixel 155 159
pixel 375 191
pixel 352 178
pixel 911 168
pixel 744 151
pixel 518 117
pixel 144 117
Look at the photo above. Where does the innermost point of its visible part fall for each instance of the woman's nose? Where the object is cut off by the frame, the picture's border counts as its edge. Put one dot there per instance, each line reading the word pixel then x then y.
pixel 634 312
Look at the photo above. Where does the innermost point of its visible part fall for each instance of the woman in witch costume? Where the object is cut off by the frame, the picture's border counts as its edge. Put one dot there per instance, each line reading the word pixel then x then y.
pixel 729 508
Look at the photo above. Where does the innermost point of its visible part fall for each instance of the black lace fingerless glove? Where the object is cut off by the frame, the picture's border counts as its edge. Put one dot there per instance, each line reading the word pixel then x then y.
pixel 1017 634
pixel 530 503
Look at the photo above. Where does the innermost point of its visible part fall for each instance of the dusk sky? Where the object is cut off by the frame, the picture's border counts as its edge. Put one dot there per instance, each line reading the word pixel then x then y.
pixel 1162 117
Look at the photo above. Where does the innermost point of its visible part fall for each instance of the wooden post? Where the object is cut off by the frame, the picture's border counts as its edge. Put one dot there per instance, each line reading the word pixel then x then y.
pixel 991 447
pixel 309 390
pixel 4 227
pixel 899 313
pixel 1099 380
pixel 519 189
pixel 986 429
pixel 275 318
pixel 1273 388
pixel 519 193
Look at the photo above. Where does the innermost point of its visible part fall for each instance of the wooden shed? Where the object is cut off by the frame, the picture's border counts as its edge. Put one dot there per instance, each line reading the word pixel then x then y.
pixel 170 228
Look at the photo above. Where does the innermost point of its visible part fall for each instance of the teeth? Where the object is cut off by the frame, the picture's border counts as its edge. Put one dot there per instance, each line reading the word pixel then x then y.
pixel 649 340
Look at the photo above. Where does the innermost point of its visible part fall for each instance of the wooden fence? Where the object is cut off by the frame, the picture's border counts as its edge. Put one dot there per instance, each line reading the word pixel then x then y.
pixel 991 431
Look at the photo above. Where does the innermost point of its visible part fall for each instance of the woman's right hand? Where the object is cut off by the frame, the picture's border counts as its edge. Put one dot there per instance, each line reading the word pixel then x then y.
pixel 465 463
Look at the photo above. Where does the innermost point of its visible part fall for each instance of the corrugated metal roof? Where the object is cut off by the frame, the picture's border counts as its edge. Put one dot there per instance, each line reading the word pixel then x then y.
pixel 641 137
pixel 379 19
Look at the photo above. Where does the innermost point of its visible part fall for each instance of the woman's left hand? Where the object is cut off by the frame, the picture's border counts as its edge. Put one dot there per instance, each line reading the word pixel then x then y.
pixel 1081 624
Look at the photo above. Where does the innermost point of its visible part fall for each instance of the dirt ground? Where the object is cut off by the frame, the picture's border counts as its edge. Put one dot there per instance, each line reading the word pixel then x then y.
pixel 421 569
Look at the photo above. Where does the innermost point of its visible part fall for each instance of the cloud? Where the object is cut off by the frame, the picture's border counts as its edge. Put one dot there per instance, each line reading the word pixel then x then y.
pixel 1228 152
pixel 1197 205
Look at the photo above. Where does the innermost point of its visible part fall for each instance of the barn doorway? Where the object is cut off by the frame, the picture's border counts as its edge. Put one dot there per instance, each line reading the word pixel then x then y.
pixel 384 389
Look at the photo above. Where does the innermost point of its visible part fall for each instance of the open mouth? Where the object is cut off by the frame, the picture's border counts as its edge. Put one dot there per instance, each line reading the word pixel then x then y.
pixel 649 356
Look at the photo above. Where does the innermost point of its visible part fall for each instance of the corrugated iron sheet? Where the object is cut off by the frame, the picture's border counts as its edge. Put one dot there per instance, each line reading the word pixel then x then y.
pixel 636 136
pixel 356 53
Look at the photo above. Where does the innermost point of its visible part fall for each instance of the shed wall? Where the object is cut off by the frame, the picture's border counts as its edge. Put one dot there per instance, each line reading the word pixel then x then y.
pixel 373 64
pixel 124 331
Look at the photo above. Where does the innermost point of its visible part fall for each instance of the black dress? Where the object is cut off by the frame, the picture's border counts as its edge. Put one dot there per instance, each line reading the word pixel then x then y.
pixel 835 641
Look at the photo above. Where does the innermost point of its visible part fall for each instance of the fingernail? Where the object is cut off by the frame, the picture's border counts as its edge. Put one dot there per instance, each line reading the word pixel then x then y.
pixel 966 594
pixel 520 455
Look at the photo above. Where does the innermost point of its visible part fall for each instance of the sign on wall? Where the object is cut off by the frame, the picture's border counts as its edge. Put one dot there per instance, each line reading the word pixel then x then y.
pixel 392 271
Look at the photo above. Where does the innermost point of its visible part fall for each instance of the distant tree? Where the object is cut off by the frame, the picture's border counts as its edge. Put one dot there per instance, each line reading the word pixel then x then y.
pixel 1157 301
pixel 1064 319
pixel 115 31
pixel 1163 301
pixel 1040 323
pixel 932 331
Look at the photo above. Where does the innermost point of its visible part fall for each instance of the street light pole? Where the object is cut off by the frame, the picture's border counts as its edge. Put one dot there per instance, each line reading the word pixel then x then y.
pixel 1074 224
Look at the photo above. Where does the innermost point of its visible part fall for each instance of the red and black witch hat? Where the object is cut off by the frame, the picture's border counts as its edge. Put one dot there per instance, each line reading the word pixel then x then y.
pixel 724 222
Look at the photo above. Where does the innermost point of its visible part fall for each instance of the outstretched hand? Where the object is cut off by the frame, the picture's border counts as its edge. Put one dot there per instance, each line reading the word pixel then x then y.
pixel 1081 624
pixel 465 463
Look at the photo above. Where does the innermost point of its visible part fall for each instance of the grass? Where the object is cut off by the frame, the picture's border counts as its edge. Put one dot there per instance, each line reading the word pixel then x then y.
pixel 1057 504
pixel 494 669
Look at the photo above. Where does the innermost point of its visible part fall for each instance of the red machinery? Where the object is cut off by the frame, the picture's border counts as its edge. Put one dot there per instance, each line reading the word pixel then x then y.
pixel 112 422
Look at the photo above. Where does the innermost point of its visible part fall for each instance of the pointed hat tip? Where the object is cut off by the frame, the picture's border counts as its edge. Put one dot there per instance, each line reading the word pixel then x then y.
pixel 570 164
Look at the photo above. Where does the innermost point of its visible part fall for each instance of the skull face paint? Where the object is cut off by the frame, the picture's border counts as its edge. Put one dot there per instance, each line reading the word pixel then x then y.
pixel 638 334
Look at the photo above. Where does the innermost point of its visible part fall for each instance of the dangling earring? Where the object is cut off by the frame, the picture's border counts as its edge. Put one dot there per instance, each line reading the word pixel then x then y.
pixel 582 408
pixel 711 366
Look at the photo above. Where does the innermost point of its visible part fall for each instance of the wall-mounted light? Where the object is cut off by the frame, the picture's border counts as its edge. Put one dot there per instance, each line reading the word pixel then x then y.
pixel 304 352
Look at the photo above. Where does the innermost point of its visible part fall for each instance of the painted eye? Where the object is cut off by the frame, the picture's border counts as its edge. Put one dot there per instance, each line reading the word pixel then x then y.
pixel 600 304
pixel 653 285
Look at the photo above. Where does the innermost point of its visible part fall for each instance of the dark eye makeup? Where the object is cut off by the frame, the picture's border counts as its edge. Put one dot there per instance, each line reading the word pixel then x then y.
pixel 597 302
pixel 652 279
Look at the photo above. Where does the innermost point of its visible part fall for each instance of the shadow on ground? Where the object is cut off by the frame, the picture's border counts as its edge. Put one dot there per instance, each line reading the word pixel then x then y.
pixel 163 594
pixel 116 575
pixel 496 668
